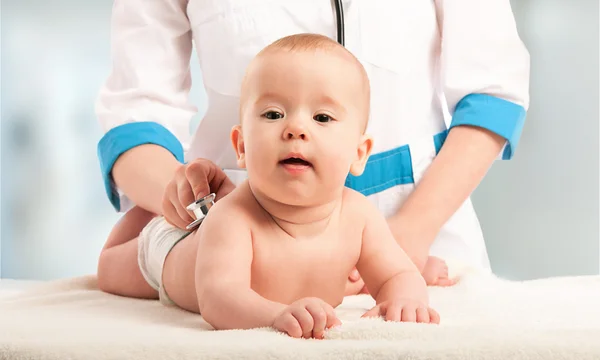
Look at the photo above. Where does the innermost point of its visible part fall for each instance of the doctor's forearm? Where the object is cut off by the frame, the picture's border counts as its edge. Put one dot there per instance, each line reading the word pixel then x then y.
pixel 460 166
pixel 143 174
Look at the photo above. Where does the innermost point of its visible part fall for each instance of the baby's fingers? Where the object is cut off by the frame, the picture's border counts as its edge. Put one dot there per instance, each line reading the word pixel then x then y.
pixel 409 313
pixel 445 282
pixel 423 315
pixel 332 319
pixel 374 312
pixel 289 324
pixel 393 313
pixel 305 320
pixel 319 319
pixel 434 317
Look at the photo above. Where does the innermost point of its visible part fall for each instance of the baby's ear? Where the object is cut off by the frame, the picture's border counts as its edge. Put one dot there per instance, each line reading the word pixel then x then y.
pixel 237 140
pixel 363 152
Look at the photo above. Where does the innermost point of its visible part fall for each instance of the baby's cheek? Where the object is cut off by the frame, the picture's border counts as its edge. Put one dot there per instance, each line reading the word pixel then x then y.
pixel 339 168
pixel 257 166
pixel 257 153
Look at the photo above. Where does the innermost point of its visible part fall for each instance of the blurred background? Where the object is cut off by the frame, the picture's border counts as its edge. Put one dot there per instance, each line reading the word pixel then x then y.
pixel 539 212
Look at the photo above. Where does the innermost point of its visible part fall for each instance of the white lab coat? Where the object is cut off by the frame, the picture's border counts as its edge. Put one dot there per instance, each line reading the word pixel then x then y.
pixel 415 53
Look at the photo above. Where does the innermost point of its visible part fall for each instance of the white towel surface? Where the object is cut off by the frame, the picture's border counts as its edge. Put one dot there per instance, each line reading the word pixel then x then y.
pixel 483 317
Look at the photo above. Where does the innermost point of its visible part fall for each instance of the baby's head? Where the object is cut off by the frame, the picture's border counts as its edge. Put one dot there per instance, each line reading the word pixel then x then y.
pixel 304 109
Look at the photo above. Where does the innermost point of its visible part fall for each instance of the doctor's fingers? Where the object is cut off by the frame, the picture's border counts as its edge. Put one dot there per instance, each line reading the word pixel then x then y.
pixel 182 198
pixel 172 216
pixel 172 209
pixel 205 177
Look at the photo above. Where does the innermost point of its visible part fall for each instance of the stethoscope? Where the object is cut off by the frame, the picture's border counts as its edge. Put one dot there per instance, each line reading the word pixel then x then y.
pixel 339 17
pixel 201 206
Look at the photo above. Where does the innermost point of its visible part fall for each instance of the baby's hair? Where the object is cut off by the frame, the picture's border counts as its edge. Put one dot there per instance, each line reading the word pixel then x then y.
pixel 304 42
pixel 309 41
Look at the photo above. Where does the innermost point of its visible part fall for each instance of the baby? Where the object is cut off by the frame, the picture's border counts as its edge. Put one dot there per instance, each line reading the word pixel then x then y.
pixel 278 249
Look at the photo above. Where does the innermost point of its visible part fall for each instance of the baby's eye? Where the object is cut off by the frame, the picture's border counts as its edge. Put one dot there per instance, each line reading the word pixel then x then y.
pixel 273 115
pixel 322 118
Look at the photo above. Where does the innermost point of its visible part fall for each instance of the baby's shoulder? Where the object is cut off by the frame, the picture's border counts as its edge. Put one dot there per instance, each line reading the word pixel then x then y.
pixel 232 209
pixel 352 198
pixel 356 205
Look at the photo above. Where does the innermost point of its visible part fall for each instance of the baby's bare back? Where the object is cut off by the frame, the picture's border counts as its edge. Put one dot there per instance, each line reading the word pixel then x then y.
pixel 284 268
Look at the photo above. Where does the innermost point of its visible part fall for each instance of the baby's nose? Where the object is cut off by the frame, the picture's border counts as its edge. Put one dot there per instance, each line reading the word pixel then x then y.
pixel 295 129
pixel 296 135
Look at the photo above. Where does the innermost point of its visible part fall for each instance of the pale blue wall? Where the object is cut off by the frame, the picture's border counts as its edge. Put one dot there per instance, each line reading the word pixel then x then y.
pixel 539 211
pixel 55 55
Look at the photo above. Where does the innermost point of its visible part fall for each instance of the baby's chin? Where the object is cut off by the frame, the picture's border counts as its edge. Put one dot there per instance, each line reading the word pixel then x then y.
pixel 289 197
pixel 298 196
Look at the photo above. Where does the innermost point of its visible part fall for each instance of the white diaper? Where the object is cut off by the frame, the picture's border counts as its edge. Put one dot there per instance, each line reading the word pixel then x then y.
pixel 154 244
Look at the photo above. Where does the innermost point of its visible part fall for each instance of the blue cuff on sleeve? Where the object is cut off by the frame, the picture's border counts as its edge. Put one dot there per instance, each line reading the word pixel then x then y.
pixel 497 115
pixel 122 138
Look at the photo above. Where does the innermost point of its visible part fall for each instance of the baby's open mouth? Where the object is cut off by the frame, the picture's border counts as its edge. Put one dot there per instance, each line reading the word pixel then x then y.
pixel 295 161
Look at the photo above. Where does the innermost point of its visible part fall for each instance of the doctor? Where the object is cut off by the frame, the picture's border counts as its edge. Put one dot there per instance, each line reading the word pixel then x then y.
pixel 416 54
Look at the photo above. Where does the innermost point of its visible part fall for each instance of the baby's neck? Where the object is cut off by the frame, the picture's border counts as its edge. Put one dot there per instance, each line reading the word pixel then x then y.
pixel 299 221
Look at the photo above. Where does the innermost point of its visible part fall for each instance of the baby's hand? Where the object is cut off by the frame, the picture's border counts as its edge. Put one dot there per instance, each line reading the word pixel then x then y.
pixel 435 272
pixel 405 310
pixel 307 317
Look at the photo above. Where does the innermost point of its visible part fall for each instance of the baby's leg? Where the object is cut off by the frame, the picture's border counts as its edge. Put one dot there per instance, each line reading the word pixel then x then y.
pixel 118 270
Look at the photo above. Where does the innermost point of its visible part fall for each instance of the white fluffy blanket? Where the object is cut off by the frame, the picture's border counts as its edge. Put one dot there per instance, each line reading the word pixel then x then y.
pixel 483 317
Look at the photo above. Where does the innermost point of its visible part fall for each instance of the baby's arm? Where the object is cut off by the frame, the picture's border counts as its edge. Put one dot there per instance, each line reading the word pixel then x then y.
pixel 225 298
pixel 390 276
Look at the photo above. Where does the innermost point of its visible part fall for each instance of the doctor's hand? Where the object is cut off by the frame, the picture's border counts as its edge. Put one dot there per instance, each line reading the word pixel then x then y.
pixel 192 181
pixel 414 241
pixel 435 272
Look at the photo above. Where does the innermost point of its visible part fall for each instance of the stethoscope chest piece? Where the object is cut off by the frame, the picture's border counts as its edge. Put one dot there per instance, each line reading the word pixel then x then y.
pixel 200 208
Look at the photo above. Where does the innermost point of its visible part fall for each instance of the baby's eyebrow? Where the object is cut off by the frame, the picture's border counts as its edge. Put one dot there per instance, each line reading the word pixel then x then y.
pixel 268 96
pixel 332 102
